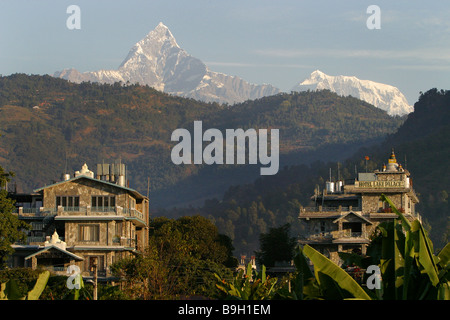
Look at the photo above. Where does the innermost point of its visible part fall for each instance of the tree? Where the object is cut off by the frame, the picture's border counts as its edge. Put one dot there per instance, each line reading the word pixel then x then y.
pixel 10 225
pixel 182 257
pixel 276 245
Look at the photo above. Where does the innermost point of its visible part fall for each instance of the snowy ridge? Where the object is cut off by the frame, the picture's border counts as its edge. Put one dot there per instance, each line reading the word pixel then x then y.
pixel 381 95
pixel 159 62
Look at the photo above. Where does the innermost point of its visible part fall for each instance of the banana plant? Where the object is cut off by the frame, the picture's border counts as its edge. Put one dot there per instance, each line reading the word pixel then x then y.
pixel 252 285
pixel 404 254
pixel 329 281
pixel 10 290
pixel 409 267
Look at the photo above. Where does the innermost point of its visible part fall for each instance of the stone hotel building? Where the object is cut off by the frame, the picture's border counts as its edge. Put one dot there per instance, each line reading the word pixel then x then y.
pixel 82 220
pixel 345 215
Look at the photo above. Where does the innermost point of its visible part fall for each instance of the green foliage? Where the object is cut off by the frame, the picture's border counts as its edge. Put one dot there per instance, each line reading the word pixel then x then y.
pixel 333 281
pixel 12 289
pixel 276 245
pixel 11 228
pixel 181 260
pixel 409 268
pixel 249 285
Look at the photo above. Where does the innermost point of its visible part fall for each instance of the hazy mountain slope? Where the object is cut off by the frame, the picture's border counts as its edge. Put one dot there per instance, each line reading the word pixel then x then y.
pixel 422 146
pixel 45 120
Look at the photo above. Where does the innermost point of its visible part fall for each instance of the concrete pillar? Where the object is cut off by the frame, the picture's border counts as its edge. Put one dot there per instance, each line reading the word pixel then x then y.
pixel 363 249
pixel 111 232
pixel 33 262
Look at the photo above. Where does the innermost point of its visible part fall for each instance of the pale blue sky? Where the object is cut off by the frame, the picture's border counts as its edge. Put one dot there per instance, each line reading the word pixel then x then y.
pixel 277 42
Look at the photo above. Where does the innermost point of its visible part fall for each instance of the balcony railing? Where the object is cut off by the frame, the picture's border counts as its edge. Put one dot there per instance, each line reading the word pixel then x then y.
pixel 74 209
pixel 329 209
pixel 119 211
pixel 103 209
pixel 334 235
pixel 133 213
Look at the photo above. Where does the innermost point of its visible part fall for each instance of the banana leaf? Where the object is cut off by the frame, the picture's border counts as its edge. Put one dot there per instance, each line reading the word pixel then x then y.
pixel 305 285
pixel 405 223
pixel 41 282
pixel 424 252
pixel 444 256
pixel 333 280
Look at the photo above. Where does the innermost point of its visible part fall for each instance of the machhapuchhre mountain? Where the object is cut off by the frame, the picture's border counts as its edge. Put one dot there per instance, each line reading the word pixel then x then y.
pixel 159 62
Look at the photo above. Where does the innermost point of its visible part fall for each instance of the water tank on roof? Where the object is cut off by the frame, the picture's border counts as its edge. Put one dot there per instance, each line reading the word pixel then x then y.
pixel 121 181
pixel 330 186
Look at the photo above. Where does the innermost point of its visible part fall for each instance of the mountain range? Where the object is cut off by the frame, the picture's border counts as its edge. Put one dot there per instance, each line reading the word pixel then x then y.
pixel 381 95
pixel 159 62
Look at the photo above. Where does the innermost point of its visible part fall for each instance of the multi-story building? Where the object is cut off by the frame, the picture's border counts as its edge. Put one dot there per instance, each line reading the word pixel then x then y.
pixel 81 220
pixel 345 214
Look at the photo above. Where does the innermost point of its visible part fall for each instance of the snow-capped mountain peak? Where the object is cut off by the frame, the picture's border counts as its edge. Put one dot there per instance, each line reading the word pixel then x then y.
pixel 383 96
pixel 158 61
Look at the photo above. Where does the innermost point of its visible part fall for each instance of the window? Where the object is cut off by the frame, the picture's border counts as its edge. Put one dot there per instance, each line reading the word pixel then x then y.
pixel 68 201
pixel 103 203
pixel 322 226
pixel 89 262
pixel 88 232
pixel 118 228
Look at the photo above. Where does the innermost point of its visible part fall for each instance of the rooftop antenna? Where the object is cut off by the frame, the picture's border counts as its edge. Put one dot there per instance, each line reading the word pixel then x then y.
pixel 65 165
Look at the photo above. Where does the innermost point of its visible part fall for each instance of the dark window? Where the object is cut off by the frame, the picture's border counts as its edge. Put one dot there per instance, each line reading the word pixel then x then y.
pixel 103 203
pixel 68 201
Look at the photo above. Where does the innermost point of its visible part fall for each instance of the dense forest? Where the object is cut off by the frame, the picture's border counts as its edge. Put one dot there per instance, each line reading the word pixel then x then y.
pixel 50 126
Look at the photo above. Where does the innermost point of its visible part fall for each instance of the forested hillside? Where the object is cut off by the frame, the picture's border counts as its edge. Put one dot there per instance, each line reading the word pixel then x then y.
pixel 50 126
pixel 422 145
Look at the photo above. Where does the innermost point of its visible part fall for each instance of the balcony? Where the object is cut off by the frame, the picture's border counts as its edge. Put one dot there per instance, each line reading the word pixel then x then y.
pixel 34 212
pixel 326 212
pixel 349 236
pixel 342 236
pixel 62 212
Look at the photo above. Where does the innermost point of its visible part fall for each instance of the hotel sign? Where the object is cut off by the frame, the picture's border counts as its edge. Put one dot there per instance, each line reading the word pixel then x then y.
pixel 379 184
